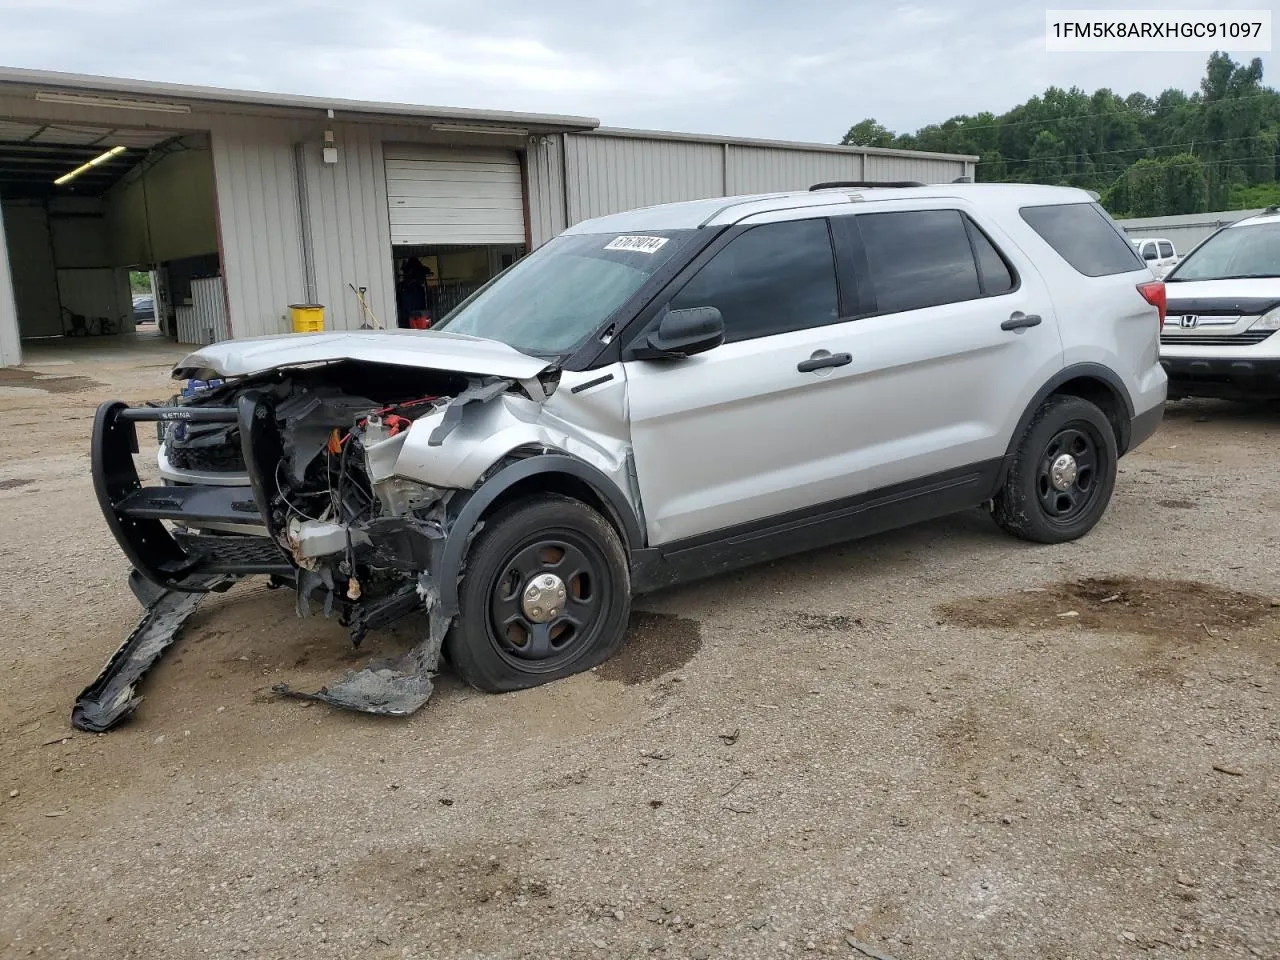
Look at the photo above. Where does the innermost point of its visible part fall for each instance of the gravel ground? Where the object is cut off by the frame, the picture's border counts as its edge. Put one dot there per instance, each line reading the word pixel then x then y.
pixel 937 743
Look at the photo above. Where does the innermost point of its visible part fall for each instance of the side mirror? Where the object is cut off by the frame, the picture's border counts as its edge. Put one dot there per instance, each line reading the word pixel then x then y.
pixel 682 333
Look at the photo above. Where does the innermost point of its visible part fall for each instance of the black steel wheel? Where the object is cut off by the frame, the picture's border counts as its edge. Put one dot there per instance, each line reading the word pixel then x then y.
pixel 549 600
pixel 1067 480
pixel 1062 473
pixel 546 593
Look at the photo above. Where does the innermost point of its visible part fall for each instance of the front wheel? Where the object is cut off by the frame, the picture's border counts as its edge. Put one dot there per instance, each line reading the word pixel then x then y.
pixel 546 594
pixel 1062 475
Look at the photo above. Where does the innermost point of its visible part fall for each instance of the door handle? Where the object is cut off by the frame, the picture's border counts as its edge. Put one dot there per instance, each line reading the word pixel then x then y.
pixel 821 362
pixel 1018 320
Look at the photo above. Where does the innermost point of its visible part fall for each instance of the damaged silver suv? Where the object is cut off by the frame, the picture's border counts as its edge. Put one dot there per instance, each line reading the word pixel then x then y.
pixel 651 397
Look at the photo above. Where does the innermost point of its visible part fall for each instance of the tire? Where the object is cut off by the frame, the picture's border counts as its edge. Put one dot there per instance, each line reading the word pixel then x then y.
pixel 497 642
pixel 1033 504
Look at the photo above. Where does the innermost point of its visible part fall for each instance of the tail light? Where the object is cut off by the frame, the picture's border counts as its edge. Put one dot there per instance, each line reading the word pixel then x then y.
pixel 1153 292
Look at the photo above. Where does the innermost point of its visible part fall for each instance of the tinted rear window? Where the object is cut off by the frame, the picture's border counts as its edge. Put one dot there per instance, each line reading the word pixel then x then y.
pixel 919 258
pixel 1084 237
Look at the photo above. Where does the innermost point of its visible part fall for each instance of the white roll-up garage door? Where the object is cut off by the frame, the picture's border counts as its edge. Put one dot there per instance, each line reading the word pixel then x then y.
pixel 439 196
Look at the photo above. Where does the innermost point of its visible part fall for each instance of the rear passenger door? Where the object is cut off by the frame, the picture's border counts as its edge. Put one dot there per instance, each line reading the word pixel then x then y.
pixel 955 333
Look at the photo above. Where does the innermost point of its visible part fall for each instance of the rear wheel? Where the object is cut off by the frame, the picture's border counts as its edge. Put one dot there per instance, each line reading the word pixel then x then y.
pixel 1062 475
pixel 546 594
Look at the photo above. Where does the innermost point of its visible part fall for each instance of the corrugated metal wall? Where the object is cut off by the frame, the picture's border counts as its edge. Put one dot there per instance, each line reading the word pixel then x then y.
pixel 350 234
pixel 607 174
pixel 205 320
pixel 1184 232
pixel 544 179
pixel 766 169
pixel 259 222
pixel 10 342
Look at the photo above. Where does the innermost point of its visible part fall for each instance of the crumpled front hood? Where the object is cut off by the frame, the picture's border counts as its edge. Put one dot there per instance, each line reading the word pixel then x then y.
pixel 427 349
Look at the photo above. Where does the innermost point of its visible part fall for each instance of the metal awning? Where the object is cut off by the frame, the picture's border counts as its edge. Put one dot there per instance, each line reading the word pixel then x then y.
pixel 140 96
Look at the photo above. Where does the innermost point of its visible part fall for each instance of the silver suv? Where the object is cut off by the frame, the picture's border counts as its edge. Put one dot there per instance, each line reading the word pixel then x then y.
pixel 651 397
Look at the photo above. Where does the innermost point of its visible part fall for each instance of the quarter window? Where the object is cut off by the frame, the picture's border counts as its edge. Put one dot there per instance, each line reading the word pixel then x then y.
pixel 772 279
pixel 993 270
pixel 1085 237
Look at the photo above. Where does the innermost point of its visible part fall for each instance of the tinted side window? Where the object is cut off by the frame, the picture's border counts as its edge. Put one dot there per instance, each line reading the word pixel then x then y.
pixel 996 275
pixel 774 278
pixel 918 258
pixel 1084 236
pixel 1166 248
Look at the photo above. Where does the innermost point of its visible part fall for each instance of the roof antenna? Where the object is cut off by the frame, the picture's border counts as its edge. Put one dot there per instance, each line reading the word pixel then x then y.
pixel 963 180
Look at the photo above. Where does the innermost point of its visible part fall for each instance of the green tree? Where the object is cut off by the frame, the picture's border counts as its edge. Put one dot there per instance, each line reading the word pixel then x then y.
pixel 1186 187
pixel 1145 183
pixel 868 133
pixel 1191 150
pixel 1046 157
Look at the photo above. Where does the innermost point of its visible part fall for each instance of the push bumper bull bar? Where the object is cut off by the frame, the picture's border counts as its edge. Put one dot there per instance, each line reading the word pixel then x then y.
pixel 174 569
pixel 176 559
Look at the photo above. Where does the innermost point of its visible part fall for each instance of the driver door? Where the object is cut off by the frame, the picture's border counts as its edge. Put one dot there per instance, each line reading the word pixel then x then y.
pixel 750 429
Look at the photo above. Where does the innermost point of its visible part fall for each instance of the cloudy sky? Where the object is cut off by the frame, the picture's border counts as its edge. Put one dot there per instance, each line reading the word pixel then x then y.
pixel 787 69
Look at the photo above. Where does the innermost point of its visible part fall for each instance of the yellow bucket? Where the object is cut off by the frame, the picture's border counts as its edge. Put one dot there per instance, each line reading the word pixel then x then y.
pixel 307 317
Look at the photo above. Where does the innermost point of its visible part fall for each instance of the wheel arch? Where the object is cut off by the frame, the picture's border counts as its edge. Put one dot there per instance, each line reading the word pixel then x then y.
pixel 523 476
pixel 1099 385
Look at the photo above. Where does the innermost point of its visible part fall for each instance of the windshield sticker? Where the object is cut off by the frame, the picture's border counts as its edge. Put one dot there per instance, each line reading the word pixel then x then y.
pixel 636 244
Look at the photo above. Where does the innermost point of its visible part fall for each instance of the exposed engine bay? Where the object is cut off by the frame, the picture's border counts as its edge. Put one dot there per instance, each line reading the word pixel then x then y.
pixel 296 473
pixel 357 535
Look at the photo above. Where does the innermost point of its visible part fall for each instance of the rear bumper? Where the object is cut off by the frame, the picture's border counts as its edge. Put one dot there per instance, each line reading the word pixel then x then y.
pixel 178 559
pixel 1143 425
pixel 1222 376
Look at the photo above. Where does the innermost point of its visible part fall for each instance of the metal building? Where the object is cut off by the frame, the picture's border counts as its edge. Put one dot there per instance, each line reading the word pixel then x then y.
pixel 1185 230
pixel 244 203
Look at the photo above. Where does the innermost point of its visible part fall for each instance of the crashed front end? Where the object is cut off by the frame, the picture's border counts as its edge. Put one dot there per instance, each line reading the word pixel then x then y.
pixel 295 473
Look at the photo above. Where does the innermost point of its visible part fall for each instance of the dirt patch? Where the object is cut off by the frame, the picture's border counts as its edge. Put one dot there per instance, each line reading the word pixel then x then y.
pixel 13 484
pixel 1166 609
pixel 18 377
pixel 656 643
pixel 454 876
pixel 1176 504
pixel 822 621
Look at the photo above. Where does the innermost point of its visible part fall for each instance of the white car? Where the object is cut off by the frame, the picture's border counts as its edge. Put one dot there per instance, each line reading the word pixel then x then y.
pixel 1158 254
pixel 1219 337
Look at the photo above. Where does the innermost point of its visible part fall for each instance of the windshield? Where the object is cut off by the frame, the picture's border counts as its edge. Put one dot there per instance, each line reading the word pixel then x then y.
pixel 562 293
pixel 1234 253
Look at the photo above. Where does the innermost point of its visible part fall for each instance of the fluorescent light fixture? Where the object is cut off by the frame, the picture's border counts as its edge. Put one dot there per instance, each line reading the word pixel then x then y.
pixel 118 103
pixel 101 158
pixel 480 128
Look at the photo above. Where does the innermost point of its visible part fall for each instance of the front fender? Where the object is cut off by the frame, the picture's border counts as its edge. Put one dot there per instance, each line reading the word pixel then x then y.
pixel 486 432
pixel 472 505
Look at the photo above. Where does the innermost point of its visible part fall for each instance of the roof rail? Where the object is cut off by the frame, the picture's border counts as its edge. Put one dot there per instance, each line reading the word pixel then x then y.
pixel 835 184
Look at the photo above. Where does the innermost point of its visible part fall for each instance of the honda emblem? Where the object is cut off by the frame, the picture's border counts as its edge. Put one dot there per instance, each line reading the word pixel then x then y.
pixel 1188 321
